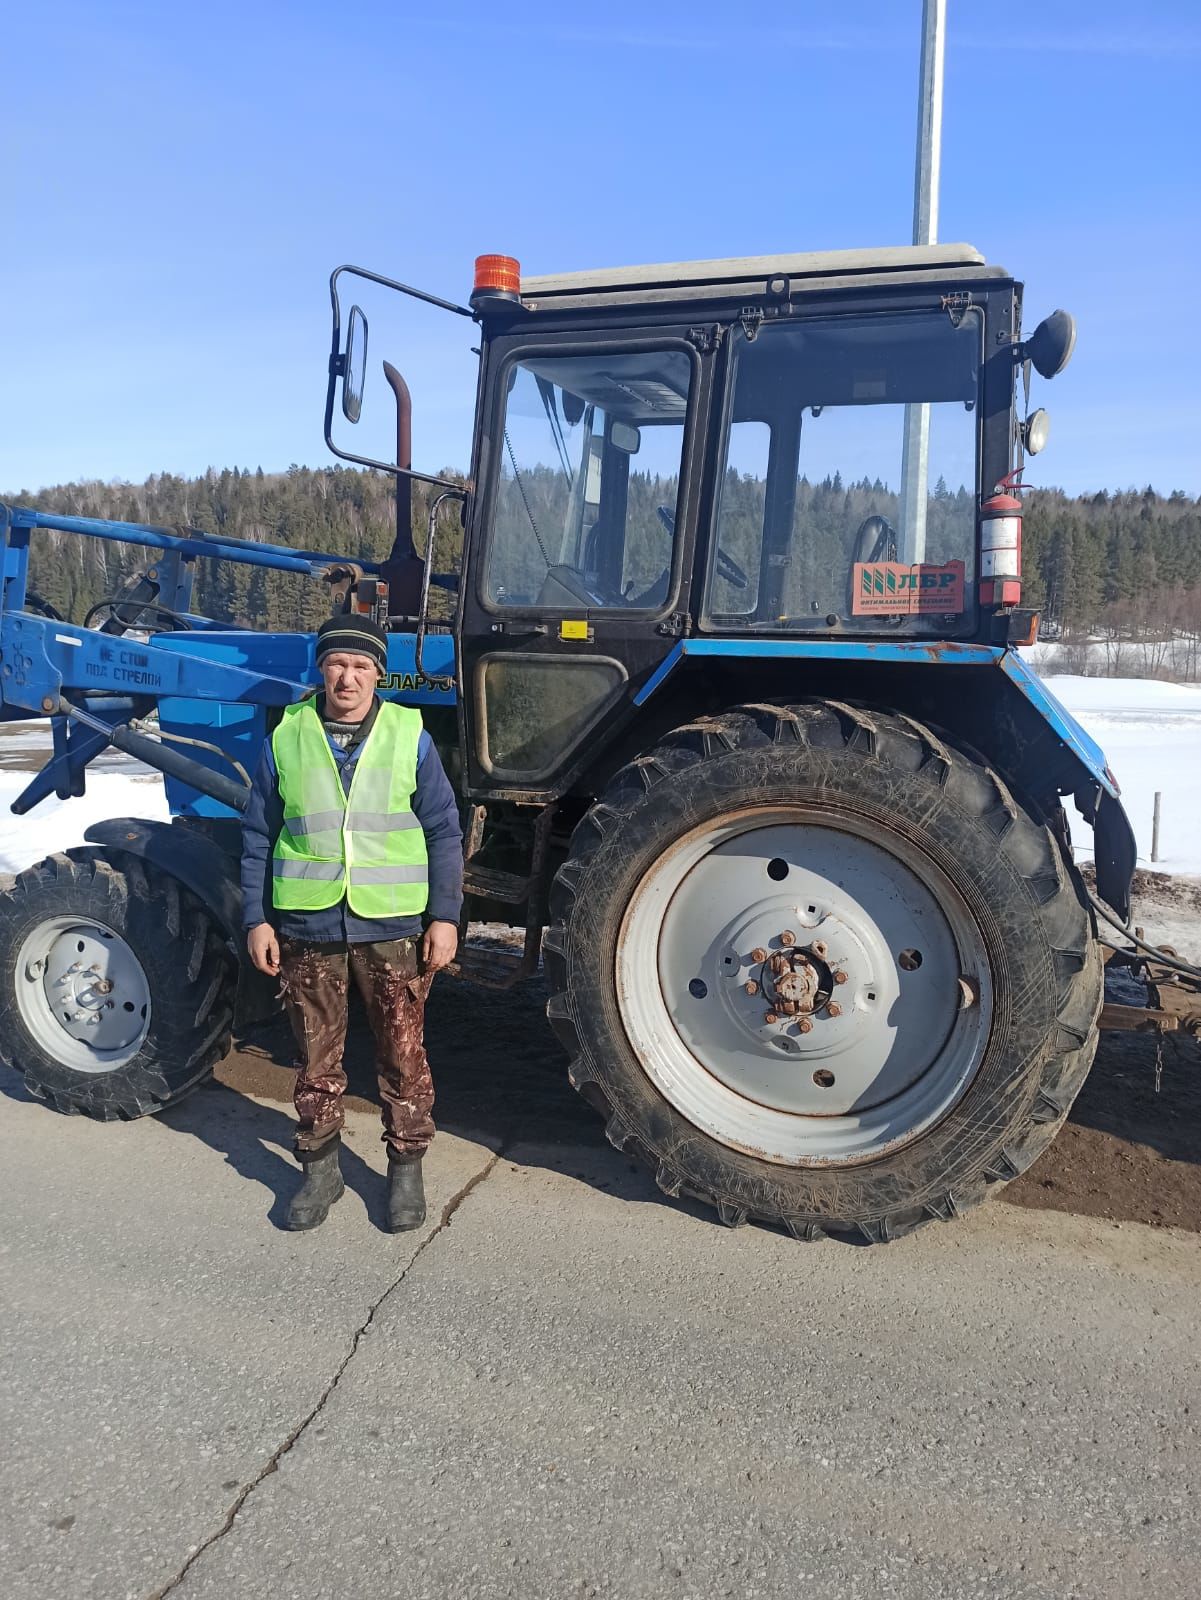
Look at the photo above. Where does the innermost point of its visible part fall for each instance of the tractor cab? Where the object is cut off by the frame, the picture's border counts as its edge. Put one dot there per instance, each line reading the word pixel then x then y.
pixel 810 453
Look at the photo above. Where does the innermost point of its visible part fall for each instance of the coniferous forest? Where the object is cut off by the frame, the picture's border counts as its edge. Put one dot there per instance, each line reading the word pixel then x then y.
pixel 1123 567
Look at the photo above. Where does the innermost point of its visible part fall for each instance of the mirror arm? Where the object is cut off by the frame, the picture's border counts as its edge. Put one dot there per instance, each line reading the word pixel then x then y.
pixel 337 367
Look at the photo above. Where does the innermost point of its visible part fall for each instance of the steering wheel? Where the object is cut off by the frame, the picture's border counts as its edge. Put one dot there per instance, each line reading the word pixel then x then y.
pixel 875 540
pixel 726 566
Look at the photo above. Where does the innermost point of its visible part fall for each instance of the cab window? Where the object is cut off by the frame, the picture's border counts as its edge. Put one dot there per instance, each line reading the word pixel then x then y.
pixel 587 498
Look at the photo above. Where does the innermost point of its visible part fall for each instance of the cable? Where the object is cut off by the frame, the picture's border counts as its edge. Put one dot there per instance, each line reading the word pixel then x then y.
pixel 1152 950
pixel 113 601
pixel 525 502
pixel 140 726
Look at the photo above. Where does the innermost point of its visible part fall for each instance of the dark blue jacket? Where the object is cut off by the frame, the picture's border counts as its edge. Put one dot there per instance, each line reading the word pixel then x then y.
pixel 434 806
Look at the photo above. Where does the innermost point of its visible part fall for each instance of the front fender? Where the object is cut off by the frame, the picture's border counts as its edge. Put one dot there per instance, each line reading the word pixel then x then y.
pixel 984 694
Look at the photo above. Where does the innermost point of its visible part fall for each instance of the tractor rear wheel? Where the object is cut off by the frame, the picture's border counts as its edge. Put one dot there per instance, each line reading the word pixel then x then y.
pixel 116 987
pixel 819 968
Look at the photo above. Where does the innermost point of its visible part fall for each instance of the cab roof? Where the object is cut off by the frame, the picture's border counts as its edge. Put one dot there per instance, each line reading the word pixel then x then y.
pixel 735 275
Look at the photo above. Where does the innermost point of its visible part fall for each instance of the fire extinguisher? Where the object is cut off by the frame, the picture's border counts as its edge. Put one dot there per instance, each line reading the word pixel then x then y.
pixel 1001 545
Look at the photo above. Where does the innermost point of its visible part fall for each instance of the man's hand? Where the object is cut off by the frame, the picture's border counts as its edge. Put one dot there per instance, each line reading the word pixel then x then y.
pixel 439 945
pixel 263 946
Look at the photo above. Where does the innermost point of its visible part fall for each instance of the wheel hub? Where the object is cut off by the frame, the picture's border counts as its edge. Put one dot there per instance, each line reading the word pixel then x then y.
pixel 83 993
pixel 805 992
pixel 796 982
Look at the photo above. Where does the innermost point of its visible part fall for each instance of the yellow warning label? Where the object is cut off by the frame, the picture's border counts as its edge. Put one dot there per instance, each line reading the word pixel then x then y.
pixel 573 630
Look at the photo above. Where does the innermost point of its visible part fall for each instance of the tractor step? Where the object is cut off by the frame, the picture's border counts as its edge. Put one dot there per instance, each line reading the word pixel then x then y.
pixel 510 888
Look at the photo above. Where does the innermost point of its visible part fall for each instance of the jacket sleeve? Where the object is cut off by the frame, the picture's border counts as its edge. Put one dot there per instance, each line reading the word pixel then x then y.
pixel 437 810
pixel 261 822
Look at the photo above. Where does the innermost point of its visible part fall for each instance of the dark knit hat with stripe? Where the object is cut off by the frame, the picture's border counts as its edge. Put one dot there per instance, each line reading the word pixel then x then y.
pixel 357 635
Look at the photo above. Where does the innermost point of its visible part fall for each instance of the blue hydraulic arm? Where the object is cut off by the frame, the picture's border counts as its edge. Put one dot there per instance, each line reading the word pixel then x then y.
pixel 91 682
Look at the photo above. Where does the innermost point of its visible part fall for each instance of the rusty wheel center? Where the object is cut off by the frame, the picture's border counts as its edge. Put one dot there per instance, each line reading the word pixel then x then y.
pixel 797 982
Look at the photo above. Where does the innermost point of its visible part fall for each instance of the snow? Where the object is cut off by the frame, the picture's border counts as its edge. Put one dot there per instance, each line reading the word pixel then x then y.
pixel 1151 735
pixel 116 787
pixel 1150 732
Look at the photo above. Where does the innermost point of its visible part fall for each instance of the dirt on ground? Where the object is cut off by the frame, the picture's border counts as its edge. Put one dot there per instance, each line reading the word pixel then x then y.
pixel 1130 1151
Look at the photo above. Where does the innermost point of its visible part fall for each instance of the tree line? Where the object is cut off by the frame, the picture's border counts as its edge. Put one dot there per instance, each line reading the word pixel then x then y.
pixel 1120 566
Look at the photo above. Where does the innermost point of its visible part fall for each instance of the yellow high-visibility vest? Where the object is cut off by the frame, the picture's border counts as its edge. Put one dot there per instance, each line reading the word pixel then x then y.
pixel 366 845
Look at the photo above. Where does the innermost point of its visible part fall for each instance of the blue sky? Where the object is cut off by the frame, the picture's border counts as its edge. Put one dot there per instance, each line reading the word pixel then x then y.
pixel 179 180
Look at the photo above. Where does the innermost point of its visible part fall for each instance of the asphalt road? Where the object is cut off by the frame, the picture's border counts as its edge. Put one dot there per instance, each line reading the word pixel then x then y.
pixel 564 1386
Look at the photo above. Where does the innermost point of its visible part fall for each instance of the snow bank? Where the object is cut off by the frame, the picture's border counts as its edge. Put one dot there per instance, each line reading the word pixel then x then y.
pixel 1101 697
pixel 59 824
pixel 1151 735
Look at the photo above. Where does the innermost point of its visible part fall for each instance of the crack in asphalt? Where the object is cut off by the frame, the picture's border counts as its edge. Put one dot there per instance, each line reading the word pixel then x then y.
pixel 448 1212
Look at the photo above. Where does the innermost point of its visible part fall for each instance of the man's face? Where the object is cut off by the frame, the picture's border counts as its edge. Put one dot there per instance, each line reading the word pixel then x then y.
pixel 350 683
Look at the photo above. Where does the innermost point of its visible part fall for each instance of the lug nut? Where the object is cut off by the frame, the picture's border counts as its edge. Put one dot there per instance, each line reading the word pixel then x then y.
pixel 787 937
pixel 804 1026
pixel 771 1017
pixel 834 1009
pixel 840 977
pixel 751 988
pixel 758 953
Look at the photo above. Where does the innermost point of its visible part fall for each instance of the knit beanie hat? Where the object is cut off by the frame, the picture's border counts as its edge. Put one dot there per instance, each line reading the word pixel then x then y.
pixel 357 635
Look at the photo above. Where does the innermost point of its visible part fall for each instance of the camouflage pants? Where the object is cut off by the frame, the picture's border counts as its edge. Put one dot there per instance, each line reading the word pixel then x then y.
pixel 315 981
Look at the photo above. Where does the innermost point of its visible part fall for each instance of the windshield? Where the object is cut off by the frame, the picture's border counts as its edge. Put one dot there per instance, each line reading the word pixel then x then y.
pixel 848 492
pixel 591 455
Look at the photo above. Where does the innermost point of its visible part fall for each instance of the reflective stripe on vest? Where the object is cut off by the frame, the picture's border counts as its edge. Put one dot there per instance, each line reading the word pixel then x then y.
pixel 366 845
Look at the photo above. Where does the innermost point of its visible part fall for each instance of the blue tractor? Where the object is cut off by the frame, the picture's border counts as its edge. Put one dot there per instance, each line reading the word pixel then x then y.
pixel 728 679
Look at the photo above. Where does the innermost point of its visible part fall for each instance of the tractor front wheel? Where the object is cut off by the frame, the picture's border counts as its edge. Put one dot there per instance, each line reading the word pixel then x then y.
pixel 819 968
pixel 116 987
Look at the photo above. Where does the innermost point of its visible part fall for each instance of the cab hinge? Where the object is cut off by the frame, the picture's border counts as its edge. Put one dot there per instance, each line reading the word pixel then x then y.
pixel 955 305
pixel 677 626
pixel 751 318
pixel 706 339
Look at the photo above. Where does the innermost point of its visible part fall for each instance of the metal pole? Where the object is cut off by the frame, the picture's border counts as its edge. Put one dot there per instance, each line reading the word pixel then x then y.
pixel 915 458
pixel 1155 828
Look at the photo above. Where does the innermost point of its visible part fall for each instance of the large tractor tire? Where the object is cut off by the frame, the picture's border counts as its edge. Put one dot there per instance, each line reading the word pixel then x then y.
pixel 116 987
pixel 818 968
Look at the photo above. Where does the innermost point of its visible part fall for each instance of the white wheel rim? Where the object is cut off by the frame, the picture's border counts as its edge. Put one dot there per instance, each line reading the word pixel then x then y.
pixel 851 1067
pixel 83 994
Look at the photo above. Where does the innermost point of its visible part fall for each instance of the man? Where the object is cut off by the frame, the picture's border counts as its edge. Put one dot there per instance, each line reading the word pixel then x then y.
pixel 352 867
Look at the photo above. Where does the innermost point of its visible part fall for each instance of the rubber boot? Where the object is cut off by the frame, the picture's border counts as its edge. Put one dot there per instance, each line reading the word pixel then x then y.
pixel 406 1194
pixel 321 1187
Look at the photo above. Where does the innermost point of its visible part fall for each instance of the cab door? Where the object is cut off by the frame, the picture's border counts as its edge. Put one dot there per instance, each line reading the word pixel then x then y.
pixel 577 585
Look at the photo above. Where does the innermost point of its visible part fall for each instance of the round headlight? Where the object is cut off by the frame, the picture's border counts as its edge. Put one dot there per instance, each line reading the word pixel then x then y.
pixel 1036 430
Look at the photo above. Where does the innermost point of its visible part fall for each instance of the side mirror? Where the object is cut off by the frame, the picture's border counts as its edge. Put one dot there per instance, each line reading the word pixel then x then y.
pixel 1051 344
pixel 625 437
pixel 354 365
